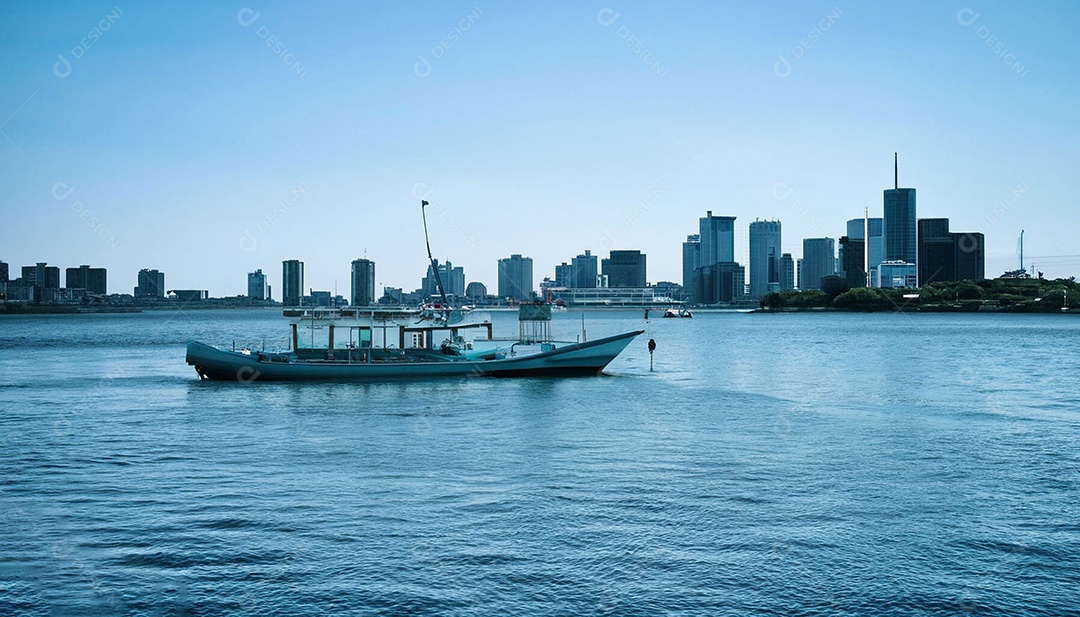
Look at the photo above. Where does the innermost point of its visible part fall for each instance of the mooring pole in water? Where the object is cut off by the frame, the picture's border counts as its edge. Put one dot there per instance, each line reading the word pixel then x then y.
pixel 652 348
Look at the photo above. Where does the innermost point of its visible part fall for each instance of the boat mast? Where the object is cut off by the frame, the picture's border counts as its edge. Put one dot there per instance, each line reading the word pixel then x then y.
pixel 434 265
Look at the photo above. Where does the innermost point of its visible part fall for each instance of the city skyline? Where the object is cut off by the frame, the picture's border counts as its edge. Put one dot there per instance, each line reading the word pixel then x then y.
pixel 190 152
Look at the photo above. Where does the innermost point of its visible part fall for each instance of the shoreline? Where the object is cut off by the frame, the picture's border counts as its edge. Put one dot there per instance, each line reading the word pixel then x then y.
pixel 984 310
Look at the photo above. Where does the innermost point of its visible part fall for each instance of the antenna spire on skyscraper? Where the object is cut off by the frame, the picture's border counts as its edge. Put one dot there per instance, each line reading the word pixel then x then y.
pixel 896 170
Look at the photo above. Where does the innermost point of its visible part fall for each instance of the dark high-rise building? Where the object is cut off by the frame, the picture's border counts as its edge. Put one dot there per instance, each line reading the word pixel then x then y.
pixel 937 252
pixel 97 281
pixel 949 256
pixel 851 250
pixel 818 261
pixel 75 278
pixel 717 239
pixel 93 280
pixel 764 257
pixel 624 269
pixel 41 275
pixel 719 283
pixel 257 287
pixel 787 272
pixel 3 272
pixel 875 245
pixel 516 277
pixel 151 284
pixel 970 256
pixel 363 282
pixel 691 260
pixel 564 275
pixel 899 224
pixel 292 282
pixel 585 271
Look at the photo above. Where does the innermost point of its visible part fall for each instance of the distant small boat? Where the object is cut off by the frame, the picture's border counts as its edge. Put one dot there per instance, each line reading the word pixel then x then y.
pixel 681 313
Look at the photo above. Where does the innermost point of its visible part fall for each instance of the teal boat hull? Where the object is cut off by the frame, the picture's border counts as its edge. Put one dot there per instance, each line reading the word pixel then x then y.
pixel 588 358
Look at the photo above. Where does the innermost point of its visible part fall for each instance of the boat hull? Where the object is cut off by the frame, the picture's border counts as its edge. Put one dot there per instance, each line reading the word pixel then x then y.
pixel 572 359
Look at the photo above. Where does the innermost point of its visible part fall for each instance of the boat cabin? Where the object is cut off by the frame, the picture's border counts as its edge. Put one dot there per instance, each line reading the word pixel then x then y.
pixel 360 335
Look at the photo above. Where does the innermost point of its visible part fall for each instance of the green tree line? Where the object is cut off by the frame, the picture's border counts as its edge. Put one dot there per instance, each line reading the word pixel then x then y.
pixel 1013 295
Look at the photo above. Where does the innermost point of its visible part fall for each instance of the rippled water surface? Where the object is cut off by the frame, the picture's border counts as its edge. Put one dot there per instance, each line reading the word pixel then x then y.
pixel 771 464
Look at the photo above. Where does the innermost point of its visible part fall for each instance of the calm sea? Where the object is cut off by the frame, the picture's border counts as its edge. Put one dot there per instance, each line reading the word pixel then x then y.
pixel 796 464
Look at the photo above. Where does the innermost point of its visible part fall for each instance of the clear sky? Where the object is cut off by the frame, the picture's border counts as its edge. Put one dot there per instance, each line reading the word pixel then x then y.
pixel 207 139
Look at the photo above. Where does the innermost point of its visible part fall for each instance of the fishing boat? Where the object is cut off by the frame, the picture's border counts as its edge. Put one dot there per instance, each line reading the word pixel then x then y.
pixel 360 344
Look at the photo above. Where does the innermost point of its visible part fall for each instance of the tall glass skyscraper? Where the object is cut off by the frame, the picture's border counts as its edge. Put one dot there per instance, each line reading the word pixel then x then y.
pixel 691 260
pixel 764 257
pixel 292 282
pixel 717 239
pixel 257 287
pixel 787 272
pixel 899 223
pixel 875 245
pixel 585 271
pixel 818 261
pixel 515 277
pixel 151 284
pixel 363 282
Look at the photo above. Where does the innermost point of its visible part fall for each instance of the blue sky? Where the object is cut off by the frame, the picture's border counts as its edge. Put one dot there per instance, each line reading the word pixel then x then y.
pixel 210 139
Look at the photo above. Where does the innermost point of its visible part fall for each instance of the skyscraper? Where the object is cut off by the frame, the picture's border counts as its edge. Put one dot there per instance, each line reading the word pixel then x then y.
pixel 625 269
pixel 717 236
pixel 936 252
pixel 899 223
pixel 257 287
pixel 720 283
pixel 818 261
pixel 292 282
pixel 717 239
pixel 787 272
pixel 852 261
pixel 92 280
pixel 585 271
pixel 516 277
pixel 363 282
pixel 691 260
pixel 42 275
pixel 970 256
pixel 4 272
pixel 764 257
pixel 856 231
pixel 564 275
pixel 948 256
pixel 151 284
